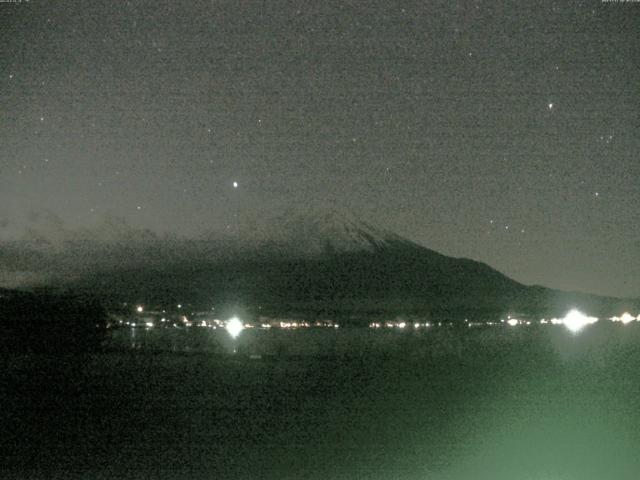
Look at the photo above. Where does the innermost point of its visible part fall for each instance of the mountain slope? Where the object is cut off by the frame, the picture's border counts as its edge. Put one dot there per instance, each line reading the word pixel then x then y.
pixel 314 262
pixel 332 263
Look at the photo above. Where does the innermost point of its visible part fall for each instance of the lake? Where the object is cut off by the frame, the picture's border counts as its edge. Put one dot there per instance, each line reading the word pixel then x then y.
pixel 450 403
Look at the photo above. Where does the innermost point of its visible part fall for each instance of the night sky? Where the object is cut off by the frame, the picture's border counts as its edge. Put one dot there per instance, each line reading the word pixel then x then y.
pixel 506 132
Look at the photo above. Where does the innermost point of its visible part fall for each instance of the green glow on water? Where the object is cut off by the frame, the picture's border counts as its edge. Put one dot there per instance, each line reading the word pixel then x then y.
pixel 537 404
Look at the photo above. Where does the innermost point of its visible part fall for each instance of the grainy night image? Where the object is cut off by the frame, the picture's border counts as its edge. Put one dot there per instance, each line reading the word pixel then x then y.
pixel 319 240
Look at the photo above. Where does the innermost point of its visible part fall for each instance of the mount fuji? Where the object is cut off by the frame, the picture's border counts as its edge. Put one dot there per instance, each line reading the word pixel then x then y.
pixel 313 262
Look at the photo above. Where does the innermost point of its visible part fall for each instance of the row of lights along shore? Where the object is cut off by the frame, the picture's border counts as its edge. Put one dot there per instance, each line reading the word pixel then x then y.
pixel 574 320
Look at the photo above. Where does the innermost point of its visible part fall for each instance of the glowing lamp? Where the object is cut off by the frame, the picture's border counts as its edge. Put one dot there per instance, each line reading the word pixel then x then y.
pixel 626 318
pixel 234 327
pixel 575 320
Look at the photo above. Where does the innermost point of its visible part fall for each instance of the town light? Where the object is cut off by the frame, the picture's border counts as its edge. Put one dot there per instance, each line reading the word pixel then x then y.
pixel 627 318
pixel 575 320
pixel 234 327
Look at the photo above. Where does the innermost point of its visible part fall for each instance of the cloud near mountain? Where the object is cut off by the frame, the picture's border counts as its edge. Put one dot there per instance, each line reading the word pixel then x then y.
pixel 40 248
pixel 301 260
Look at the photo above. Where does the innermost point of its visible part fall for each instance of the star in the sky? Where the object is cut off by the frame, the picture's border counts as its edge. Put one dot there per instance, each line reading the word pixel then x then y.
pixel 309 117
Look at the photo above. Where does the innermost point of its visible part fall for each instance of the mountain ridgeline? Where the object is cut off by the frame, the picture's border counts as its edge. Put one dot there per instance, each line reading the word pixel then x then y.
pixel 334 265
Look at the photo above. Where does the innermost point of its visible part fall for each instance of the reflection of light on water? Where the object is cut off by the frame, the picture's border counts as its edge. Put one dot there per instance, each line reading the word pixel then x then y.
pixel 132 338
pixel 234 327
pixel 575 320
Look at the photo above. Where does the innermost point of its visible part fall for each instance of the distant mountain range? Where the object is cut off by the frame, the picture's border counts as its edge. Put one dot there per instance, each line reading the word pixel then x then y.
pixel 315 263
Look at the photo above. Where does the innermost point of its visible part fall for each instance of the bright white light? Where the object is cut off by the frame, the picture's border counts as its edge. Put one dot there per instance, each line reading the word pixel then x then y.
pixel 576 320
pixel 139 309
pixel 234 327
pixel 626 318
pixel 512 322
pixel 235 184
pixel 149 324
pixel 402 325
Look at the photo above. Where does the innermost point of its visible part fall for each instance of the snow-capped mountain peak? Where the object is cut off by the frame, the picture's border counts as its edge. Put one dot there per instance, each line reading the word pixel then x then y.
pixel 319 231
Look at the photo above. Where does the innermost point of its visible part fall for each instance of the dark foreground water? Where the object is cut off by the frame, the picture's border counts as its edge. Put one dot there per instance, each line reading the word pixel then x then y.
pixel 539 404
